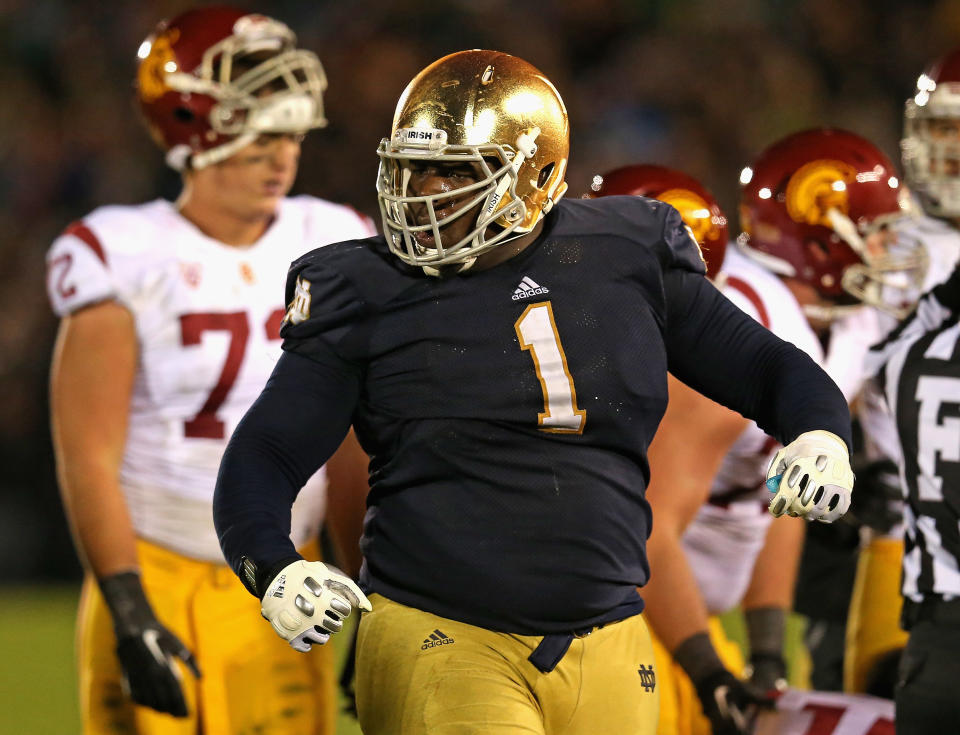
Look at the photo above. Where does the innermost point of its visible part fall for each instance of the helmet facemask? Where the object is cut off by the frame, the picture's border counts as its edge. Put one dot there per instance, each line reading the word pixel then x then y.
pixel 931 160
pixel 500 212
pixel 889 276
pixel 262 85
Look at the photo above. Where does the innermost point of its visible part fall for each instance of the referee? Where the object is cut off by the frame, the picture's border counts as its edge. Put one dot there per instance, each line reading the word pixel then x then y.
pixel 920 375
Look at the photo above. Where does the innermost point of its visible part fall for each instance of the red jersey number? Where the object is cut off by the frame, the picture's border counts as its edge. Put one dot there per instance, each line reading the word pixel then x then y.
pixel 206 425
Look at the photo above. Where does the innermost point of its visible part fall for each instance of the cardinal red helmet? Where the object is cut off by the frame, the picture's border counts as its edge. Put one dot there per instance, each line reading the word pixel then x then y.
pixel 211 80
pixel 931 156
pixel 696 205
pixel 808 204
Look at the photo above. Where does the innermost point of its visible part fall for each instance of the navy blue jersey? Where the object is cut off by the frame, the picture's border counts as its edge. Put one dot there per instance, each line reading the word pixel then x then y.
pixel 508 412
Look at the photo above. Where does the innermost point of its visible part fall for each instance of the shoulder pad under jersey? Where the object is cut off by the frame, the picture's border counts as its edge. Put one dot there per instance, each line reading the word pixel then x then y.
pixel 648 222
pixel 332 288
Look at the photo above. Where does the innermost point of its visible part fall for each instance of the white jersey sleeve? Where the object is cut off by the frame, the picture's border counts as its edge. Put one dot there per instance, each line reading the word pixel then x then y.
pixel 77 271
pixel 850 340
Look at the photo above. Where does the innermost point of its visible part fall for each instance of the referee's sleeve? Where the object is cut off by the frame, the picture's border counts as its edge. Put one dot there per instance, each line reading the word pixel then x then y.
pixel 721 352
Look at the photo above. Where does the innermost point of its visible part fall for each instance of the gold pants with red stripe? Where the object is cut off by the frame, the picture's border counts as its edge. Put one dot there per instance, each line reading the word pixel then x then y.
pixel 252 681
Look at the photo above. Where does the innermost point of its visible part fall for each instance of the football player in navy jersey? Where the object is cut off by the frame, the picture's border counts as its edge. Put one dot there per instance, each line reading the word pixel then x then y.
pixel 502 356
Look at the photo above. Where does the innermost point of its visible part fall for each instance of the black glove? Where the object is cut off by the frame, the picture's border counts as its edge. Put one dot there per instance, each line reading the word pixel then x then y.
pixel 878 500
pixel 145 647
pixel 730 704
pixel 767 672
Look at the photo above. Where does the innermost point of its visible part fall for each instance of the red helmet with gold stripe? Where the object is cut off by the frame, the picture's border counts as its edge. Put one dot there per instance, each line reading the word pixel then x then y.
pixel 808 205
pixel 213 79
pixel 696 205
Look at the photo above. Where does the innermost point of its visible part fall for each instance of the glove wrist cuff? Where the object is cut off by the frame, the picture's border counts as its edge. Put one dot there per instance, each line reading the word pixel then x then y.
pixel 128 604
pixel 698 658
pixel 257 577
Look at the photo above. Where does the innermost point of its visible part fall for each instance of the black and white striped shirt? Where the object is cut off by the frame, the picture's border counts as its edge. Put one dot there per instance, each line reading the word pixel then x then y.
pixel 919 370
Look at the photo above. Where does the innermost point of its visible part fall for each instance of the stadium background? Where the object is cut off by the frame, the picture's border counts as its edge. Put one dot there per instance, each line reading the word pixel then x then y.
pixel 701 85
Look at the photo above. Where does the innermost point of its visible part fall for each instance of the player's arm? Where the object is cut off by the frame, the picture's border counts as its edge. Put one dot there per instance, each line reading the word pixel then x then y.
pixel 296 424
pixel 717 349
pixel 686 452
pixel 94 364
pixel 348 484
pixel 769 598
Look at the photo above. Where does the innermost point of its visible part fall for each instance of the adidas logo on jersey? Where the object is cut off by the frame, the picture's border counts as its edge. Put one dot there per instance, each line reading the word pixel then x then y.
pixel 527 288
pixel 436 638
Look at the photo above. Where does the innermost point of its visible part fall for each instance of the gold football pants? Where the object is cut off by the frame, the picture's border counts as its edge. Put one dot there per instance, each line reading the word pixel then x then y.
pixel 680 710
pixel 421 674
pixel 252 682
pixel 873 627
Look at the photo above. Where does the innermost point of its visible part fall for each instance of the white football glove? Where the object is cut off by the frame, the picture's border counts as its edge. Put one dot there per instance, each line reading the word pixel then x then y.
pixel 811 478
pixel 308 600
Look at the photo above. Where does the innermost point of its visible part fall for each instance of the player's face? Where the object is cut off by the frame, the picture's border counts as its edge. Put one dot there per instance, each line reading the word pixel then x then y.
pixel 879 242
pixel 251 183
pixel 946 131
pixel 442 177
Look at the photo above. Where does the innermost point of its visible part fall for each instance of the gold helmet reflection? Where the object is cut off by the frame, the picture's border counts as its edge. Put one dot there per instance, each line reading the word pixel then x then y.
pixel 493 110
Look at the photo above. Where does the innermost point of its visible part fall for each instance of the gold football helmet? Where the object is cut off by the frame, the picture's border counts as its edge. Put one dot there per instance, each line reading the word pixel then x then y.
pixel 485 108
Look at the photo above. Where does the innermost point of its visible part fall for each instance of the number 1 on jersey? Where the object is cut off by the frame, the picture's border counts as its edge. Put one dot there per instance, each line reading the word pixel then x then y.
pixel 537 332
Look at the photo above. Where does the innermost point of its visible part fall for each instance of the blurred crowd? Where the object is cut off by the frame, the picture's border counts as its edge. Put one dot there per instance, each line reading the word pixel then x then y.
pixel 701 85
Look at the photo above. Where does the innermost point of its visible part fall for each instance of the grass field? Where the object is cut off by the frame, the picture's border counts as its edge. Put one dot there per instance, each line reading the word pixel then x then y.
pixel 38 682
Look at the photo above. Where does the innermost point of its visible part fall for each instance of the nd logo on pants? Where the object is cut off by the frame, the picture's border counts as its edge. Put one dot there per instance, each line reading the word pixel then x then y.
pixel 422 674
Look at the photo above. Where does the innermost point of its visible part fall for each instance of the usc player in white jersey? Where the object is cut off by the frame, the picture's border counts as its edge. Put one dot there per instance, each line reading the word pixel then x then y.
pixel 931 159
pixel 714 542
pixel 170 328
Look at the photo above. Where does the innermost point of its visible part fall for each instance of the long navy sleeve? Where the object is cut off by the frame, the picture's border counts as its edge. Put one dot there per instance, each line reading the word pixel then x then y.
pixel 721 352
pixel 296 425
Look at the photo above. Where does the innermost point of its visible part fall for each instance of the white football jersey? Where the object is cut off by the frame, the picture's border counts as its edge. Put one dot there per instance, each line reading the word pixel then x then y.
pixel 728 532
pixel 207 319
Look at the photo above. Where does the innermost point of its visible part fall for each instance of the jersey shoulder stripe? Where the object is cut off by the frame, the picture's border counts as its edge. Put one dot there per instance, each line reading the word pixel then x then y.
pixel 752 296
pixel 83 233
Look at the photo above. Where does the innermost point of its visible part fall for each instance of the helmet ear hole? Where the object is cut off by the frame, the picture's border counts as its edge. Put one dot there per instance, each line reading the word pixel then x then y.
pixel 183 114
pixel 545 174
